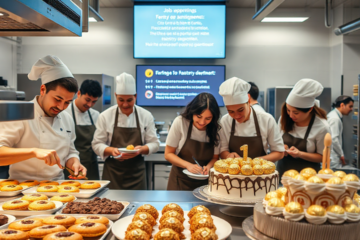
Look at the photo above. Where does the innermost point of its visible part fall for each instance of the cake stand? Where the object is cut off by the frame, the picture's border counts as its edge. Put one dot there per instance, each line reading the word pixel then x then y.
pixel 251 232
pixel 231 207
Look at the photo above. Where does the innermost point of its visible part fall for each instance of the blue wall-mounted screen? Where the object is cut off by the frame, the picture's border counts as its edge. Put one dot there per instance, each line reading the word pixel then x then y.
pixel 179 31
pixel 177 85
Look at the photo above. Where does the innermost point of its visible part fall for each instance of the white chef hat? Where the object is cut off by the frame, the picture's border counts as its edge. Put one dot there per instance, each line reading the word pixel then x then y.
pixel 125 84
pixel 49 68
pixel 234 91
pixel 304 93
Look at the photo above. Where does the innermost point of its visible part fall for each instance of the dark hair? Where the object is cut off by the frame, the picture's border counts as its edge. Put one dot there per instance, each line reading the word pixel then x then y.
pixel 198 105
pixel 287 124
pixel 68 83
pixel 91 87
pixel 254 91
pixel 342 99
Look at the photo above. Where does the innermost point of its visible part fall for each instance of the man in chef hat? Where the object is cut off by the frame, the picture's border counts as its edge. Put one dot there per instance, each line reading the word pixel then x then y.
pixel 121 126
pixel 41 147
pixel 242 125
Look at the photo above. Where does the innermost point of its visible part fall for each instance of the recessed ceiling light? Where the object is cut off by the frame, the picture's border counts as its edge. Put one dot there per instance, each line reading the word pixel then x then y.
pixel 92 19
pixel 284 19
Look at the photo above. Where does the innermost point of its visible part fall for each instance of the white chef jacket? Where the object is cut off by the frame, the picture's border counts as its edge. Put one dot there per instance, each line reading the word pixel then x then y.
pixel 258 108
pixel 178 134
pixel 105 128
pixel 315 140
pixel 43 132
pixel 334 119
pixel 82 118
pixel 269 130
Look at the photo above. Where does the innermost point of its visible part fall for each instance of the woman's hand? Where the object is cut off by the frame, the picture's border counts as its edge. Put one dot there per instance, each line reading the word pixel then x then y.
pixel 233 155
pixel 294 152
pixel 286 149
pixel 194 168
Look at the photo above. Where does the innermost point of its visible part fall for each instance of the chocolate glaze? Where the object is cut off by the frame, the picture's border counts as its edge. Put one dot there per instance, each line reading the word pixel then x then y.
pixel 64 234
pixel 255 184
pixel 35 195
pixel 17 201
pixel 10 232
pixel 59 217
pixel 90 183
pixel 67 188
pixel 48 187
pixel 11 186
pixel 48 227
pixel 29 181
pixel 27 221
pixel 93 217
pixel 63 195
pixel 42 202
pixel 88 224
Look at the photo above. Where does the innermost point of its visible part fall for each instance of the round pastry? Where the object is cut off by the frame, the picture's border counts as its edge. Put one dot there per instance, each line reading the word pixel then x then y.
pixel 308 172
pixel 246 170
pixel 352 208
pixel 234 169
pixel 258 169
pixel 9 182
pixel 335 180
pixel 173 224
pixel 64 198
pixel 316 210
pixel 221 166
pixel 3 220
pixel 294 207
pixel 95 219
pixel 335 209
pixel 34 197
pixel 44 230
pixel 198 209
pixel 25 224
pixel 173 206
pixel 71 183
pixel 201 223
pixel 166 234
pixel 63 236
pixel 268 168
pixel 272 194
pixel 227 161
pixel 90 185
pixel 198 216
pixel 16 205
pixel 63 220
pixel 41 205
pixel 256 161
pixel 9 188
pixel 275 202
pixel 326 171
pixel 204 234
pixel 89 229
pixel 130 147
pixel 315 179
pixel 140 225
pixel 68 189
pixel 8 234
pixel 149 209
pixel 290 173
pixel 173 214
pixel 347 201
pixel 339 174
pixel 247 162
pixel 30 183
pixel 46 182
pixel 236 161
pixel 273 166
pixel 136 234
pixel 144 216
pixel 350 178
pixel 48 188
pixel 282 191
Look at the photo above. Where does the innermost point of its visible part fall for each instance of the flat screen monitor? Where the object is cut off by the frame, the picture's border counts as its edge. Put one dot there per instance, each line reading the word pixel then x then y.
pixel 177 85
pixel 179 31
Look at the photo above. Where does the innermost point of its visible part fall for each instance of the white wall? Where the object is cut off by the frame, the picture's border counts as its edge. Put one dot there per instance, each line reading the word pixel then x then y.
pixel 8 61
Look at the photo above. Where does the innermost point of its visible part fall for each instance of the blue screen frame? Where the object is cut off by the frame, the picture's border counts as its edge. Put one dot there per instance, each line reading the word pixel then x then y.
pixel 222 40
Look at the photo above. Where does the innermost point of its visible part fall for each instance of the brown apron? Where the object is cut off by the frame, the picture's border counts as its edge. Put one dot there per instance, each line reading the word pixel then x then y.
pixel 255 144
pixel 298 164
pixel 84 136
pixel 203 152
pixel 129 174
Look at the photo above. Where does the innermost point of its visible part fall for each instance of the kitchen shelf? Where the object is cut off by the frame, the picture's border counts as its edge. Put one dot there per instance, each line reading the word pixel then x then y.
pixel 355 117
pixel 355 137
pixel 356 98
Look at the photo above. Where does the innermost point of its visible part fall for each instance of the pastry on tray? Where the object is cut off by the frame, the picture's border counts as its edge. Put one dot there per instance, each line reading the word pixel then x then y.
pixel 90 185
pixel 173 224
pixel 16 205
pixel 174 207
pixel 63 236
pixel 201 223
pixel 11 188
pixel 138 224
pixel 198 216
pixel 41 232
pixel 48 188
pixel 144 216
pixel 63 220
pixel 95 219
pixel 173 214
pixel 9 234
pixel 9 182
pixel 89 229
pixel 41 205
pixel 149 209
pixel 137 234
pixel 3 220
pixel 166 234
pixel 64 198
pixel 95 206
pixel 30 183
pixel 48 182
pixel 25 224
pixel 34 197
pixel 198 209
pixel 68 189
pixel 71 183
pixel 204 234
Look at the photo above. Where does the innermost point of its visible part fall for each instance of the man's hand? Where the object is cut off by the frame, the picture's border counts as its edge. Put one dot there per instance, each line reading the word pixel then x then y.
pixel 294 152
pixel 75 165
pixel 342 159
pixel 49 156
pixel 233 155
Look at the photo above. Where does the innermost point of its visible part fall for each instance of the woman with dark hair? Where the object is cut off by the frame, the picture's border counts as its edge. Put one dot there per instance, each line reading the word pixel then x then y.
pixel 303 127
pixel 343 106
pixel 194 135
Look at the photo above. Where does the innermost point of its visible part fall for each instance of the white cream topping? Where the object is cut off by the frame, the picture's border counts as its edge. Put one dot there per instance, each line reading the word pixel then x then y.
pixel 143 216
pixel 139 223
pixel 315 188
pixel 352 217
pixel 172 205
pixel 146 206
pixel 296 185
pixel 202 221
pixel 204 233
pixel 335 188
pixel 284 180
pixel 200 209
pixel 354 185
pixel 171 220
pixel 165 233
pixel 295 217
pixel 315 219
pixel 274 211
pixel 336 218
pixel 264 203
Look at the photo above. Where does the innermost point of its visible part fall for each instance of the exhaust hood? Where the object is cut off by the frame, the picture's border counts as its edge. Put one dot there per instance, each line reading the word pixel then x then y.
pixel 40 18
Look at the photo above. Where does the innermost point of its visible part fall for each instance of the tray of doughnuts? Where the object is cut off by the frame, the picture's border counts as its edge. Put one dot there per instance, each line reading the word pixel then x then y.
pixel 13 187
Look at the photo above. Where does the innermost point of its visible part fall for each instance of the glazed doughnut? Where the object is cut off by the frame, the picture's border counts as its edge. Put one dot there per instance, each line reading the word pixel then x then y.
pixel 45 183
pixel 16 205
pixel 34 197
pixel 63 236
pixel 44 230
pixel 41 205
pixel 48 188
pixel 89 229
pixel 64 220
pixel 9 188
pixel 149 209
pixel 64 198
pixel 90 185
pixel 68 189
pixel 9 182
pixel 25 224
pixel 8 234
pixel 95 219
pixel 30 183
pixel 71 183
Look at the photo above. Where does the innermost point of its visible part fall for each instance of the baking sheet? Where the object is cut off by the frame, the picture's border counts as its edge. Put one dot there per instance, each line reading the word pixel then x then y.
pixel 12 193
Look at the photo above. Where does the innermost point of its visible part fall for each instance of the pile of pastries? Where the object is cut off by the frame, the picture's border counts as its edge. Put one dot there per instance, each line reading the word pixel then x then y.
pixel 67 186
pixel 171 223
pixel 56 227
pixel 248 166
pixel 95 206
pixel 33 205
pixel 64 198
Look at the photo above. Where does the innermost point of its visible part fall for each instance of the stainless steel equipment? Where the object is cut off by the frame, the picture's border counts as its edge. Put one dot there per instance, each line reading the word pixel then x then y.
pixel 277 96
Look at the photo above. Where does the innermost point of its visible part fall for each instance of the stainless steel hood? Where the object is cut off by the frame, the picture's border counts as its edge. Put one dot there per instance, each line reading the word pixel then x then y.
pixel 40 18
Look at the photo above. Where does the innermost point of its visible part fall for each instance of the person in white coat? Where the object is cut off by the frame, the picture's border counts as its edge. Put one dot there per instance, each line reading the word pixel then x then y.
pixel 342 107
pixel 242 125
pixel 40 148
pixel 254 94
pixel 85 118
pixel 120 126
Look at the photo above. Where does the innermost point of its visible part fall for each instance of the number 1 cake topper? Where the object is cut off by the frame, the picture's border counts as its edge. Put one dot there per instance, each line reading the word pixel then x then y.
pixel 244 148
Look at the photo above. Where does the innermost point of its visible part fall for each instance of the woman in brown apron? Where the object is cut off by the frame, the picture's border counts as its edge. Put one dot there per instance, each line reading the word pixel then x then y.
pixel 197 131
pixel 303 127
